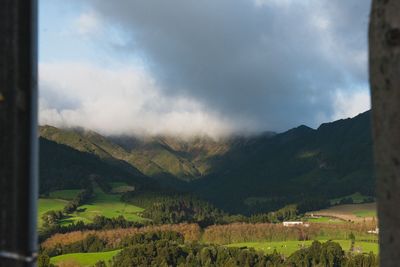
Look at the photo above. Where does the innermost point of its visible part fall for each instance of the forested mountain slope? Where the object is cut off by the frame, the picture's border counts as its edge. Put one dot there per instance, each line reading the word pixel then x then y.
pixel 333 160
pixel 255 173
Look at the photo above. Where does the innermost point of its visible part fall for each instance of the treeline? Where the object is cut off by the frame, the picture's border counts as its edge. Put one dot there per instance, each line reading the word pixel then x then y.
pixel 95 243
pixel 164 208
pixel 243 232
pixel 224 234
pixel 99 223
pixel 81 198
pixel 330 254
pixel 165 249
pixel 114 237
pixel 168 248
pixel 164 254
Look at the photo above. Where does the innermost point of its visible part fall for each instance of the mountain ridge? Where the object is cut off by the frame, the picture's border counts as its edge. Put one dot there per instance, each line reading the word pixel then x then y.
pixel 334 159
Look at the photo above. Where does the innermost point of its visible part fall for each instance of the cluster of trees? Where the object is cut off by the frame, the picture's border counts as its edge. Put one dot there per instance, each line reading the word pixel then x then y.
pixel 164 249
pixel 349 200
pixel 51 218
pixel 164 253
pixel 242 232
pixel 99 223
pixel 330 254
pixel 81 198
pixel 114 237
pixel 175 208
pixel 178 208
pixel 286 213
pixel 167 253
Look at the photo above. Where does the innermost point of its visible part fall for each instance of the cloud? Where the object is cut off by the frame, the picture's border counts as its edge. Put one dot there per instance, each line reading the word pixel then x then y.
pixel 350 104
pixel 276 63
pixel 121 101
pixel 87 24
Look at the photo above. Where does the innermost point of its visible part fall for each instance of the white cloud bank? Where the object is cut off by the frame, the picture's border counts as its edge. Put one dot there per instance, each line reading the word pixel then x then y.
pixel 123 101
pixel 350 103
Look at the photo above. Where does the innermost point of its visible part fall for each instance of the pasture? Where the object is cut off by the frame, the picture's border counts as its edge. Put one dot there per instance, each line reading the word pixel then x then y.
pixel 47 204
pixel 104 204
pixel 84 259
pixel 288 247
pixel 349 212
pixel 108 205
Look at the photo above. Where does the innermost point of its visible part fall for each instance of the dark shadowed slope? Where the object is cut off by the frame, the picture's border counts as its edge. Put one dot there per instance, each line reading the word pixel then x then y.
pixel 334 160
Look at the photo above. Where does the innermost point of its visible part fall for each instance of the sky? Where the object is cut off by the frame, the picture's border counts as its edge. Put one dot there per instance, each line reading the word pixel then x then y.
pixel 210 67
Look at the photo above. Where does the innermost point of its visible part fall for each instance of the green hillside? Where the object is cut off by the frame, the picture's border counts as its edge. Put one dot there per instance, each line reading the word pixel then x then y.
pixel 238 174
pixel 63 167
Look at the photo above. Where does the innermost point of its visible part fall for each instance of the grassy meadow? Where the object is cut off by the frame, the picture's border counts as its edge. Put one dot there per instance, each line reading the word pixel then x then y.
pixel 349 212
pixel 47 204
pixel 108 205
pixel 104 204
pixel 84 259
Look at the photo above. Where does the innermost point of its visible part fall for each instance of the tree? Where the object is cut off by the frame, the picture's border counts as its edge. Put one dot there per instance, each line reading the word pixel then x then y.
pixel 352 238
pixel 384 70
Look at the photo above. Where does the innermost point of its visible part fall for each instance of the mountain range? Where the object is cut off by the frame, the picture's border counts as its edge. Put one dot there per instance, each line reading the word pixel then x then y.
pixel 236 173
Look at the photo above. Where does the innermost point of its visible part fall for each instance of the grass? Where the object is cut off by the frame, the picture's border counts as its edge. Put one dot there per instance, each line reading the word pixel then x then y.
pixel 65 194
pixel 47 204
pixel 365 213
pixel 85 259
pixel 288 247
pixel 349 212
pixel 108 205
pixel 323 220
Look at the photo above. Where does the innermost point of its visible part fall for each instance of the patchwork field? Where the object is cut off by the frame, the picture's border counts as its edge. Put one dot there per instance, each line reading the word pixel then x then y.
pixel 83 259
pixel 108 205
pixel 288 247
pixel 349 212
pixel 47 204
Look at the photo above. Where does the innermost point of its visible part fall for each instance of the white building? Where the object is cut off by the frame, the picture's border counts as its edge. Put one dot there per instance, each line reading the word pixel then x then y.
pixel 293 223
pixel 376 231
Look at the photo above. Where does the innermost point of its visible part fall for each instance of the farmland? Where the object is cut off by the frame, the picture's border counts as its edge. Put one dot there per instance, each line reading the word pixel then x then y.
pixel 47 204
pixel 108 205
pixel 84 259
pixel 104 204
pixel 349 212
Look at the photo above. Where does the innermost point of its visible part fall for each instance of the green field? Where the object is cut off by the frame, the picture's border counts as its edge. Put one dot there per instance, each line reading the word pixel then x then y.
pixel 288 247
pixel 365 213
pixel 108 205
pixel 65 194
pixel 47 204
pixel 324 220
pixel 85 259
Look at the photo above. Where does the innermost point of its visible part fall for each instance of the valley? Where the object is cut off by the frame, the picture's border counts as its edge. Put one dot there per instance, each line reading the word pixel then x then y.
pixel 106 196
